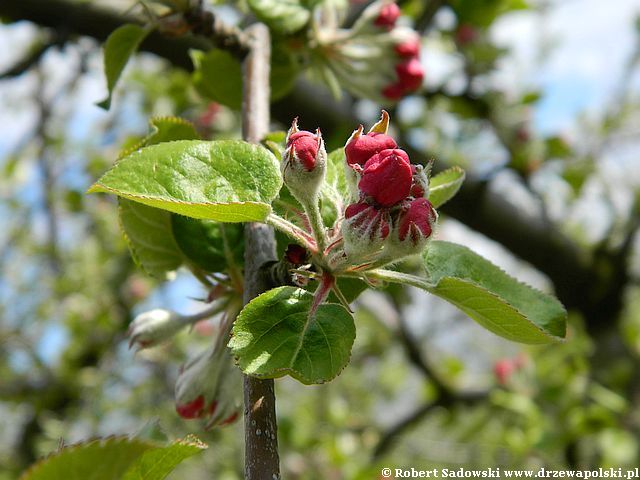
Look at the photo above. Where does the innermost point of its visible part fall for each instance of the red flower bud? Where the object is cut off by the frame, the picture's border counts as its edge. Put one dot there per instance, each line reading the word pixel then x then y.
pixel 362 148
pixel 416 220
pixel 387 177
pixel 410 74
pixel 388 16
pixel 395 91
pixel 192 409
pixel 408 49
pixel 466 34
pixel 503 369
pixel 304 146
pixel 367 220
pixel 229 420
pixel 296 254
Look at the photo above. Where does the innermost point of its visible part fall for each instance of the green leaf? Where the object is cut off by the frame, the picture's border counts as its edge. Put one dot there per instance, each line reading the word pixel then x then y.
pixel 167 129
pixel 227 181
pixel 274 335
pixel 284 70
pixel 117 49
pixel 148 234
pixel 102 459
pixel 147 229
pixel 203 242
pixel 444 186
pixel 114 458
pixel 282 16
pixel 156 464
pixel 218 76
pixel 494 299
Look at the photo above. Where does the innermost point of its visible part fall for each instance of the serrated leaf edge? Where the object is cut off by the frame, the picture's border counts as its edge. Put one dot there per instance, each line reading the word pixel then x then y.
pixel 281 372
pixel 85 443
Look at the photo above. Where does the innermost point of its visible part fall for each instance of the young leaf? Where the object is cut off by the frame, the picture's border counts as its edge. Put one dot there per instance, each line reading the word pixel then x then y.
pixel 275 335
pixel 117 49
pixel 147 229
pixel 227 181
pixel 445 185
pixel 494 299
pixel 204 242
pixel 114 458
pixel 487 294
pixel 164 129
pixel 148 233
pixel 167 129
pixel 283 16
pixel 218 76
pixel 156 464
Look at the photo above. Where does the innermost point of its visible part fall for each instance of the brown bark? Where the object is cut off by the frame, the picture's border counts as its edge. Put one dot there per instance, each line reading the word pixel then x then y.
pixel 260 425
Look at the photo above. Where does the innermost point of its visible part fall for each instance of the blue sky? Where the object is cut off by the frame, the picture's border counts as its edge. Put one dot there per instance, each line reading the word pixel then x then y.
pixel 590 40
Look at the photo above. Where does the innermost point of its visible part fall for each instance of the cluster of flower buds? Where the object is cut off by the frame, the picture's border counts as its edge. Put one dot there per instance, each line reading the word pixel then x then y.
pixel 391 210
pixel 303 162
pixel 210 386
pixel 375 58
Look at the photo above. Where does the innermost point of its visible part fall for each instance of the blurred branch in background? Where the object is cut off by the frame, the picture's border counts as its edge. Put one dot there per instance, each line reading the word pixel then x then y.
pixel 596 281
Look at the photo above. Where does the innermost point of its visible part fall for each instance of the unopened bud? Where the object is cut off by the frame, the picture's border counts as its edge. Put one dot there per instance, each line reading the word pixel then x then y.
pixel 360 148
pixel 409 48
pixel 364 229
pixel 153 327
pixel 410 74
pixel 386 177
pixel 415 222
pixel 209 386
pixel 296 254
pixel 388 16
pixel 303 162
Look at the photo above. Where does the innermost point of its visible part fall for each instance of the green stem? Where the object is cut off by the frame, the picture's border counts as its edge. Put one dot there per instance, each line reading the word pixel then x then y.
pixel 393 277
pixel 292 231
pixel 317 225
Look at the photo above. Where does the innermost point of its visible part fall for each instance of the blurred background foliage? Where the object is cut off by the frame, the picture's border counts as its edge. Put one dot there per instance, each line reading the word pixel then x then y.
pixel 537 100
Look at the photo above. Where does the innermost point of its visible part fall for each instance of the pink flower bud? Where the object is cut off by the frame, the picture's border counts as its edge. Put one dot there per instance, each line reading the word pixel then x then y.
pixel 386 177
pixel 209 386
pixel 304 146
pixel 503 369
pixel 368 220
pixel 303 163
pixel 388 16
pixel 410 74
pixel 192 409
pixel 395 91
pixel 416 221
pixel 408 48
pixel 466 34
pixel 361 148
